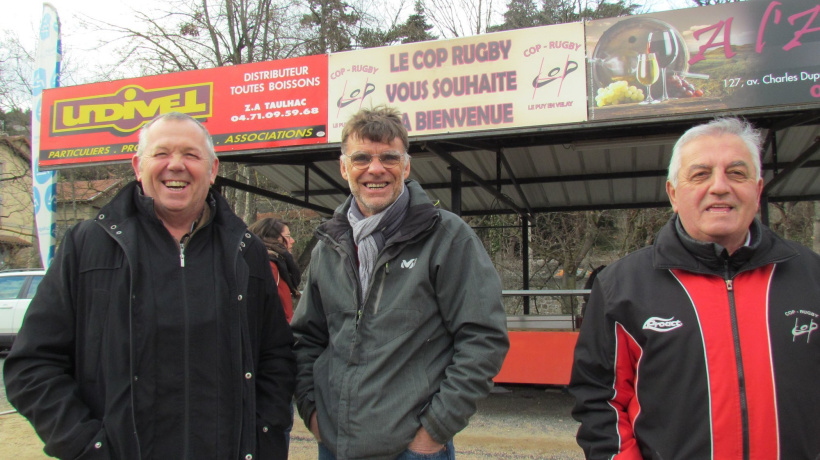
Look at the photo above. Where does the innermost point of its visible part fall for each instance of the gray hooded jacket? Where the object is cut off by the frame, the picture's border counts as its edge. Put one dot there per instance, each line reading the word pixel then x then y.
pixel 422 350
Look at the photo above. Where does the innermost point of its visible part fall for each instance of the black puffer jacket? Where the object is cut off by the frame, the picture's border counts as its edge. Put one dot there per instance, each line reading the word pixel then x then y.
pixel 74 369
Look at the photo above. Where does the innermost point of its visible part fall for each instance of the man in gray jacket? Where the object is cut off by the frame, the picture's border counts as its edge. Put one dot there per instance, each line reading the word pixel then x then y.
pixel 401 328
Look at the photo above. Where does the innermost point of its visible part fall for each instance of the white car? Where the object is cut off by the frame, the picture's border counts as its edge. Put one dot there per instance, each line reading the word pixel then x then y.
pixel 17 287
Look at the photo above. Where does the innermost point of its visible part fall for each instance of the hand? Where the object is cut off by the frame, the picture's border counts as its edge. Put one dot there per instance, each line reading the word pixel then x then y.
pixel 423 443
pixel 314 427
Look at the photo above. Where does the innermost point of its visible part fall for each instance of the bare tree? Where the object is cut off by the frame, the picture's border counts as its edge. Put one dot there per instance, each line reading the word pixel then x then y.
pixel 794 221
pixel 638 228
pixel 461 18
pixel 204 34
pixel 16 68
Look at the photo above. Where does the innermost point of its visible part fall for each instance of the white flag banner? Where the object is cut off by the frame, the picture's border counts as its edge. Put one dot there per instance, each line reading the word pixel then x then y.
pixel 44 183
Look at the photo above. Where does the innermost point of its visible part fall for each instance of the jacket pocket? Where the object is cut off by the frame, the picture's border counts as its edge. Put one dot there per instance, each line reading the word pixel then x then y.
pixel 99 449
pixel 99 277
pixel 271 442
pixel 390 324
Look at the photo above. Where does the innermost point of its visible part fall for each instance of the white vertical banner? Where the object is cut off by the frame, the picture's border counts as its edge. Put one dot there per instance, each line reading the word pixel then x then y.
pixel 44 183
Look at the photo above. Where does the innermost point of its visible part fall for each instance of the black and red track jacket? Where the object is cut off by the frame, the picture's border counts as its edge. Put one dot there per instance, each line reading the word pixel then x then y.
pixel 688 353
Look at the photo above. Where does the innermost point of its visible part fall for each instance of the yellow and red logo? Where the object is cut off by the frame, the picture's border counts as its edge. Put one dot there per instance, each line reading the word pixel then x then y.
pixel 129 108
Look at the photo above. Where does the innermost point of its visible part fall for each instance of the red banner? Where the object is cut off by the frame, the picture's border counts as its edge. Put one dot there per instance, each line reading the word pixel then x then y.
pixel 245 107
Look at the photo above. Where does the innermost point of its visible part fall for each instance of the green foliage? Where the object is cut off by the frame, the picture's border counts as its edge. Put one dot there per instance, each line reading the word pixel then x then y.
pixel 525 13
pixel 331 23
pixel 610 10
pixel 712 2
pixel 15 122
pixel 416 28
pixel 520 14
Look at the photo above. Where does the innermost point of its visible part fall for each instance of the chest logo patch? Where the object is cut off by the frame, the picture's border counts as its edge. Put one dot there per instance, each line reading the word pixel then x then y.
pixel 804 329
pixel 408 263
pixel 662 324
pixel 805 323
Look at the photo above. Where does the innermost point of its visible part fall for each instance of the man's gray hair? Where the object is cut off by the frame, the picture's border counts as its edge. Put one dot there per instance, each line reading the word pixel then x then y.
pixel 740 128
pixel 143 139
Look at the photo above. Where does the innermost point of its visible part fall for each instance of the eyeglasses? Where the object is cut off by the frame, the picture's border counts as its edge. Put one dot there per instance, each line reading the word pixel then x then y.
pixel 361 160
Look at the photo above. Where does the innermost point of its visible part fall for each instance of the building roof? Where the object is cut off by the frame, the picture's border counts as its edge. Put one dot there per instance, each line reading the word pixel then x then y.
pixel 18 145
pixel 86 190
pixel 13 241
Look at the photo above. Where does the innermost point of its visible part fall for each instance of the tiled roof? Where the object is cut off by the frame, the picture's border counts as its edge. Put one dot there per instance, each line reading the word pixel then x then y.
pixel 13 240
pixel 85 190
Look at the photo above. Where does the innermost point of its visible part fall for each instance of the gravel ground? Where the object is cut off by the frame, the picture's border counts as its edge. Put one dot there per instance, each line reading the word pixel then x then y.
pixel 514 422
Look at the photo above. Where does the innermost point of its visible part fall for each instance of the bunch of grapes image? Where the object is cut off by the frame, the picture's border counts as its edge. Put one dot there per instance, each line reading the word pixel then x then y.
pixel 619 92
pixel 680 88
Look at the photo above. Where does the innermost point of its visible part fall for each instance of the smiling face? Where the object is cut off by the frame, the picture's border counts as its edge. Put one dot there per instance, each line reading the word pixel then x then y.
pixel 375 187
pixel 175 170
pixel 718 193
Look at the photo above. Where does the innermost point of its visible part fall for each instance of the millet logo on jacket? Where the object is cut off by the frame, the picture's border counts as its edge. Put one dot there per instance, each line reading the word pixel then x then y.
pixel 662 324
pixel 408 263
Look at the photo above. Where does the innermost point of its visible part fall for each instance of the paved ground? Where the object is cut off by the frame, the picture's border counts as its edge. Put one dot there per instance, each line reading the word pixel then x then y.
pixel 515 422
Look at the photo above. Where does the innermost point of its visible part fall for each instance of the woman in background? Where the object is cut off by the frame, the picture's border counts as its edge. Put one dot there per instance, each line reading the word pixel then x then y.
pixel 276 236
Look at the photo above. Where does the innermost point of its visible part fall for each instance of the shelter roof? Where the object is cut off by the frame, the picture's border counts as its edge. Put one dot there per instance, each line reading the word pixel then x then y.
pixel 578 166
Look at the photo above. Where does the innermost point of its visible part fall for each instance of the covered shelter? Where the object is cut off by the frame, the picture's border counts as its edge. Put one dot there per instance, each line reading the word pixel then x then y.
pixel 548 119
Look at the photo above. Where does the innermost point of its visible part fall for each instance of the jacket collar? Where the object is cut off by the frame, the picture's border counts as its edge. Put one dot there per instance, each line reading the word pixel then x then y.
pixel 130 201
pixel 421 215
pixel 675 249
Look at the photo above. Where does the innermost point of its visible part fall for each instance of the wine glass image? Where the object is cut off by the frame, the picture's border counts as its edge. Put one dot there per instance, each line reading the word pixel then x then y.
pixel 664 45
pixel 647 74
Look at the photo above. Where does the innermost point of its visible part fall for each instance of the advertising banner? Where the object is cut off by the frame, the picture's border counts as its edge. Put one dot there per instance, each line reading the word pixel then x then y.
pixel 511 79
pixel 730 56
pixel 250 106
pixel 44 183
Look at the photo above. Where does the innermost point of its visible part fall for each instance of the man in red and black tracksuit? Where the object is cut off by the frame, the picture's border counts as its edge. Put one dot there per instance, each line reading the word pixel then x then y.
pixel 704 345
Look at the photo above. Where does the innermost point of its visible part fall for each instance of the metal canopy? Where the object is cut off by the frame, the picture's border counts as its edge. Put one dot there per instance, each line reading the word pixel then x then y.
pixel 579 166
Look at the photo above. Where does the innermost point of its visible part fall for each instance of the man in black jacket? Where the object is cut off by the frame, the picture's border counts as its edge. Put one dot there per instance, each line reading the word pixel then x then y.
pixel 704 345
pixel 157 332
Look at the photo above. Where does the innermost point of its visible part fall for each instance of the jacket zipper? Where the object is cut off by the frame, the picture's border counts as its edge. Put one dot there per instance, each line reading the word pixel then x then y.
pixel 381 288
pixel 352 273
pixel 186 349
pixel 379 291
pixel 744 409
pixel 182 254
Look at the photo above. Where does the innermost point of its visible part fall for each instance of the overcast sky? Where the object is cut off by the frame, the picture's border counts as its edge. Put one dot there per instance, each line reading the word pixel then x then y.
pixel 22 18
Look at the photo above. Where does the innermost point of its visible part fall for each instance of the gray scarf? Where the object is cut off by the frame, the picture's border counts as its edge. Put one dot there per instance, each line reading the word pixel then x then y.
pixel 370 234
